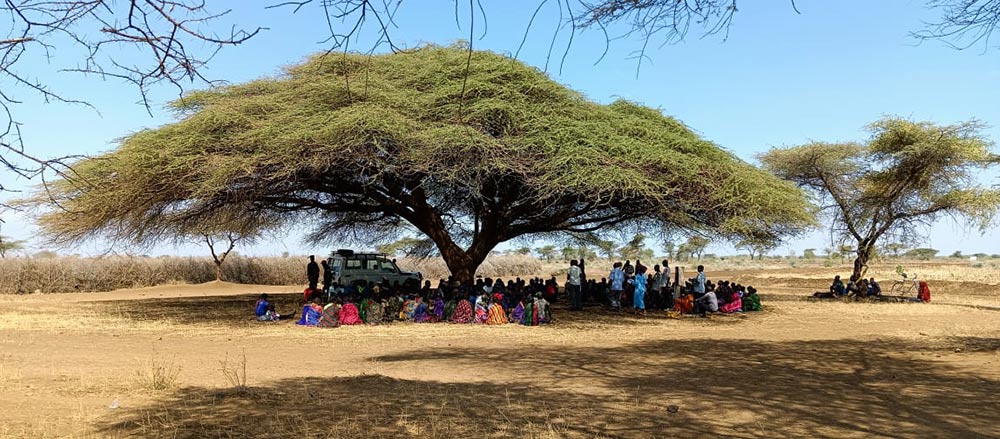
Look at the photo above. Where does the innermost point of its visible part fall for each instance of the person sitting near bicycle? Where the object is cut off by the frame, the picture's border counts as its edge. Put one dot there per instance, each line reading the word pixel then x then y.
pixel 874 290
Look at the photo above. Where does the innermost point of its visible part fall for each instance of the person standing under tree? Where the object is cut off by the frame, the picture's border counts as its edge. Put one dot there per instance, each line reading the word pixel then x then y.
pixel 617 279
pixel 327 276
pixel 312 272
pixel 639 297
pixel 573 278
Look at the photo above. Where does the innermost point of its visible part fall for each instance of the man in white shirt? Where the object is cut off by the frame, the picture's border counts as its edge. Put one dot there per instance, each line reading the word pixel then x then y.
pixel 573 280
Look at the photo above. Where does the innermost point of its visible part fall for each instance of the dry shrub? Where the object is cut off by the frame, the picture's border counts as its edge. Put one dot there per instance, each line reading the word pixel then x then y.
pixel 157 375
pixel 77 274
pixel 235 372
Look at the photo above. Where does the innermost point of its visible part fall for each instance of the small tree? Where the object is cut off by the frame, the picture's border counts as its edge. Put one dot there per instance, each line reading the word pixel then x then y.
pixel 757 247
pixel 524 251
pixel 634 248
pixel 7 244
pixel 907 175
pixel 547 252
pixel 894 249
pixel 669 247
pixel 696 245
pixel 607 248
pixel 229 240
pixel 922 253
pixel 956 255
pixel 809 253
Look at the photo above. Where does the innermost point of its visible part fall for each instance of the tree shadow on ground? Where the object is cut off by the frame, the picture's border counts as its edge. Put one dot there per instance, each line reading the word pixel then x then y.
pixel 722 388
pixel 210 310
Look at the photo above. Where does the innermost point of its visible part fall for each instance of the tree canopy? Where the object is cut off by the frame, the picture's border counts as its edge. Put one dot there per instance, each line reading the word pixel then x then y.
pixel 907 175
pixel 468 150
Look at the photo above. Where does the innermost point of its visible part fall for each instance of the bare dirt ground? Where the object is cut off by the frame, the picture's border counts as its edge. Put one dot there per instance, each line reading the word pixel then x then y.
pixel 799 369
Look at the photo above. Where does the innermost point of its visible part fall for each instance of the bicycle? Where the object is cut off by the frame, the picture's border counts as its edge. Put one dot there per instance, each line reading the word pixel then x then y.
pixel 907 287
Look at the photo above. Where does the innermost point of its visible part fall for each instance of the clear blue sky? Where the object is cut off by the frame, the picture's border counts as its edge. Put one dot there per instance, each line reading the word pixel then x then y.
pixel 780 79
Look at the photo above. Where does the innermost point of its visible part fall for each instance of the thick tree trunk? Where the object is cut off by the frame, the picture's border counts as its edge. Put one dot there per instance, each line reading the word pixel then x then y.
pixel 218 271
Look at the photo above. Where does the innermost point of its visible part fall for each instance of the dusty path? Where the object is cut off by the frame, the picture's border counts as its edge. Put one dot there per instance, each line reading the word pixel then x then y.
pixel 799 369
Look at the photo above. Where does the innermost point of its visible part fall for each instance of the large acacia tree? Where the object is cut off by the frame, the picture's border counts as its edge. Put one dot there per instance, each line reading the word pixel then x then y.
pixel 468 151
pixel 908 175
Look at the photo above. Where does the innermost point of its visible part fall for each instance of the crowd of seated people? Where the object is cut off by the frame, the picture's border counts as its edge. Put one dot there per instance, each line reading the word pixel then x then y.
pixel 527 302
pixel 487 301
pixel 854 289
pixel 702 297
pixel 869 289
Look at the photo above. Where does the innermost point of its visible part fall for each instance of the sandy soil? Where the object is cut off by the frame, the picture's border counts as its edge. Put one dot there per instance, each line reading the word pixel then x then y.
pixel 799 369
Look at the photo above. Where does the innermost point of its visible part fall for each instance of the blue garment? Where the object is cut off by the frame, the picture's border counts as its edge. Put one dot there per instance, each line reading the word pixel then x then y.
pixel 617 278
pixel 699 284
pixel 310 316
pixel 638 299
pixel 261 307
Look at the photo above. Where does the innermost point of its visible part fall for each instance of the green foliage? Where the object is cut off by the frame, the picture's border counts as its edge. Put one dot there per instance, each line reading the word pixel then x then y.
pixel 407 246
pixel 695 246
pixel 634 248
pixel 369 147
pixel 922 253
pixel 895 249
pixel 8 245
pixel 956 255
pixel 607 248
pixel 809 253
pixel 547 252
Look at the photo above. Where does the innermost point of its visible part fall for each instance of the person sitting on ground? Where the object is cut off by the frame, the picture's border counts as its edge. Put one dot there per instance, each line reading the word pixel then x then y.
pixel 707 303
pixel 751 301
pixel 517 315
pixel 923 293
pixel 543 310
pixel 265 312
pixel 437 308
pixel 449 310
pixel 838 286
pixel 874 289
pixel 311 313
pixel 496 314
pixel 482 308
pixel 734 300
pixel 837 289
pixel 409 310
pixel 392 307
pixel 349 314
pixel 463 312
pixel 422 314
pixel 373 311
pixel 331 316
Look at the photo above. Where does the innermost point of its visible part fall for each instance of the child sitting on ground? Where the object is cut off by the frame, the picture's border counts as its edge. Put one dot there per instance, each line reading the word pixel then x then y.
pixel 265 311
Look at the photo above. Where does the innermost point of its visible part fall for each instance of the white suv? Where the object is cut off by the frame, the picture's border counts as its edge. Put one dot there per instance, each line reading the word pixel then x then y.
pixel 348 267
